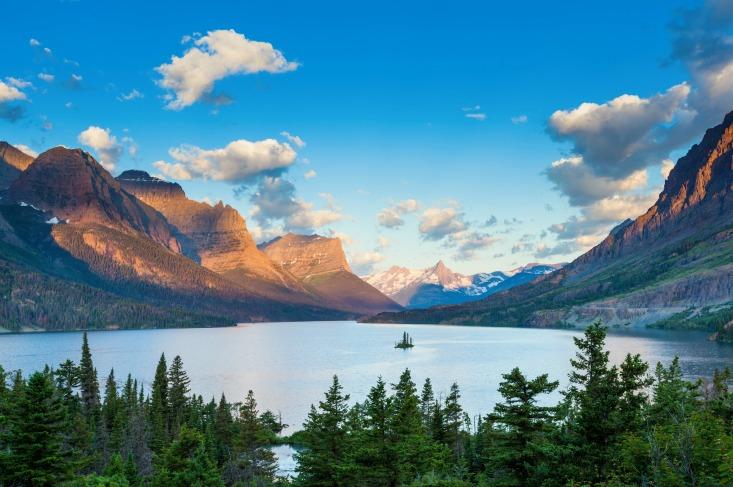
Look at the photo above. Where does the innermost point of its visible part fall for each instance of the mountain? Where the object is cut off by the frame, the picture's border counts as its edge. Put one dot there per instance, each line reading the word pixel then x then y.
pixel 80 251
pixel 216 237
pixel 320 263
pixel 438 285
pixel 12 163
pixel 71 186
pixel 670 267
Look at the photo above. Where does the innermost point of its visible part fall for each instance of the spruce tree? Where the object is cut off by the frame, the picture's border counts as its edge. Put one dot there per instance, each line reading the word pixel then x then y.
pixel 325 440
pixel 518 448
pixel 427 398
pixel 453 414
pixel 178 389
pixel 88 383
pixel 254 462
pixel 159 407
pixel 185 462
pixel 38 420
pixel 223 430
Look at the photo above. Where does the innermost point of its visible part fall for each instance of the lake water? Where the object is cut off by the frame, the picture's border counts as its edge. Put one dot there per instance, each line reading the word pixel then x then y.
pixel 290 365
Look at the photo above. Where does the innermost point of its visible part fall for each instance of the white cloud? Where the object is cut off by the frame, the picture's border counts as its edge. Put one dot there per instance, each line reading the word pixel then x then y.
pixel 104 144
pixel 469 244
pixel 310 174
pixel 18 83
pixel 9 92
pixel 218 54
pixel 519 119
pixel 572 177
pixel 26 150
pixel 239 162
pixel 438 223
pixel 667 166
pixel 391 217
pixel 69 105
pixel 48 78
pixel 476 116
pixel 275 199
pixel 625 134
pixel 34 42
pixel 294 139
pixel 364 262
pixel 47 51
pixel 133 95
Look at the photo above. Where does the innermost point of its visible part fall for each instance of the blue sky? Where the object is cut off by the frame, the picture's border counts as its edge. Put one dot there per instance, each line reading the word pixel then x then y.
pixel 436 116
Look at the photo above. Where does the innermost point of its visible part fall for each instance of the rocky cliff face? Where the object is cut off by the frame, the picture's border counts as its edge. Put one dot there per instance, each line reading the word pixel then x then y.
pixel 216 236
pixel 320 263
pixel 307 256
pixel 70 185
pixel 696 199
pixel 12 163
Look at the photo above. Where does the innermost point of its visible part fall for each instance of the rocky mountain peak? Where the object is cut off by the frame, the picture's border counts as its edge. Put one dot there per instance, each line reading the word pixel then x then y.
pixel 12 162
pixel 307 255
pixel 71 185
pixel 697 193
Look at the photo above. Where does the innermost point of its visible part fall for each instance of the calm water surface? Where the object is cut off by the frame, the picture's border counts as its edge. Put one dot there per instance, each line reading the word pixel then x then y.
pixel 290 365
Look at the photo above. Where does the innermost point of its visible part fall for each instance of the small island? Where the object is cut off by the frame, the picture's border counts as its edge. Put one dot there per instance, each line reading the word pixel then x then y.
pixel 406 341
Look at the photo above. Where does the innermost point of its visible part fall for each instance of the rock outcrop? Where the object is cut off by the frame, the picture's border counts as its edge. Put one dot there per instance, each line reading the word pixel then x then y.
pixel 12 162
pixel 70 185
pixel 320 264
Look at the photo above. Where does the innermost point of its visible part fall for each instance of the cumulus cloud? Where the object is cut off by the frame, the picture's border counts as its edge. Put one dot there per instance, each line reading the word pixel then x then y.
pixel 34 42
pixel 575 179
pixel 625 134
pixel 48 78
pixel 240 161
pixel 470 243
pixel 218 54
pixel 667 166
pixel 294 139
pixel 438 223
pixel 363 262
pixel 310 174
pixel 133 95
pixel 519 119
pixel 274 199
pixel 10 92
pixel 108 149
pixel 391 217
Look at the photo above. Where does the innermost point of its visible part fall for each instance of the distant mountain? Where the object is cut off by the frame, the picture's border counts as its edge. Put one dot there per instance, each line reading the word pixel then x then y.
pixel 78 250
pixel 216 237
pixel 320 264
pixel 438 285
pixel 672 266
pixel 12 163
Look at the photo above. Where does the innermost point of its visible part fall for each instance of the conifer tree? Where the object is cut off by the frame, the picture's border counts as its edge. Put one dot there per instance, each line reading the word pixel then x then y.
pixel 88 383
pixel 185 463
pixel 37 432
pixel 518 448
pixel 159 407
pixel 453 414
pixel 178 389
pixel 427 398
pixel 325 437
pixel 255 464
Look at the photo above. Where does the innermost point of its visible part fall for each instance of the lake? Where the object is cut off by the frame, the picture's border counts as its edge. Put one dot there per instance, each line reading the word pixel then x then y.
pixel 290 365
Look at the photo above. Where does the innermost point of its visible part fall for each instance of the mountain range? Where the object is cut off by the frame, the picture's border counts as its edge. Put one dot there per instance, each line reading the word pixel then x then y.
pixel 82 249
pixel 439 285
pixel 670 267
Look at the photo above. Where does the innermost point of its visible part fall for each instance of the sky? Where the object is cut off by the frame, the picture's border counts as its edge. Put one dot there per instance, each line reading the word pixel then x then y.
pixel 485 134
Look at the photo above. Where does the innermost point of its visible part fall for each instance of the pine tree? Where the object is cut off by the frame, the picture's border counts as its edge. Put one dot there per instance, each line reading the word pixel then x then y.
pixel 88 383
pixel 186 463
pixel 113 413
pixel 453 414
pixel 255 464
pixel 325 440
pixel 37 432
pixel 427 398
pixel 159 407
pixel 223 430
pixel 518 447
pixel 178 389
pixel 373 449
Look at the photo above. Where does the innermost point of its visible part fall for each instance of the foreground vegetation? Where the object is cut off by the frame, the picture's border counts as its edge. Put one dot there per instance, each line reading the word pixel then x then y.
pixel 615 426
